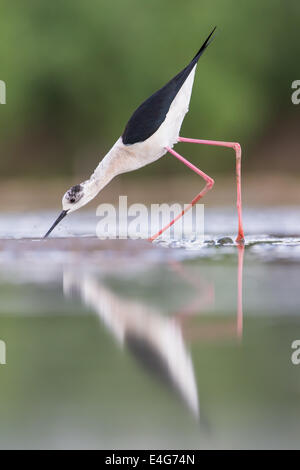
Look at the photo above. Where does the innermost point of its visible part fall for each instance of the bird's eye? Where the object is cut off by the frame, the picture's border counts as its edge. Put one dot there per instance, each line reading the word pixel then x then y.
pixel 72 200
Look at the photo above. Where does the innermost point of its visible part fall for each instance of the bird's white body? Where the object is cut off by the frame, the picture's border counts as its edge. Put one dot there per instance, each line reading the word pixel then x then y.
pixel 124 158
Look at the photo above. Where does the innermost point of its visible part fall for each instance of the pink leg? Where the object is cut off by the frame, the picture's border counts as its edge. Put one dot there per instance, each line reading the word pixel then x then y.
pixel 238 154
pixel 241 249
pixel 208 186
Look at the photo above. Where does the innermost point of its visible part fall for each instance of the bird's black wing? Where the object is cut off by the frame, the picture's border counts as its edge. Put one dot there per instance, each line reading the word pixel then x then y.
pixel 147 118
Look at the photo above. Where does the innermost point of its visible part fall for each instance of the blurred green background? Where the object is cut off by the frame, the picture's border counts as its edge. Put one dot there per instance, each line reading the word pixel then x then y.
pixel 76 70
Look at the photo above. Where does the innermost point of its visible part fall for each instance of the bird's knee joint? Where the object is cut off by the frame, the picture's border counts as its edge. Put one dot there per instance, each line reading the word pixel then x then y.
pixel 210 183
pixel 237 148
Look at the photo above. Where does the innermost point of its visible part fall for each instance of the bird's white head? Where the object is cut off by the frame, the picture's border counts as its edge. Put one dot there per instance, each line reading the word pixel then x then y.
pixel 76 197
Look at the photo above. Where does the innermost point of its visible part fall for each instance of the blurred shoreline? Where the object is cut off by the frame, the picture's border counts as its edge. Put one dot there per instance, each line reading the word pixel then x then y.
pixel 258 190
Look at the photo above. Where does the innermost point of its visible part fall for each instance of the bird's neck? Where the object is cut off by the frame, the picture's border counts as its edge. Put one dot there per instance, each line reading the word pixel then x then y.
pixel 104 172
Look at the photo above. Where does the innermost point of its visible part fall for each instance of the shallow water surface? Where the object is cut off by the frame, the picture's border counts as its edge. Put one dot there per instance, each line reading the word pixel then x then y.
pixel 124 344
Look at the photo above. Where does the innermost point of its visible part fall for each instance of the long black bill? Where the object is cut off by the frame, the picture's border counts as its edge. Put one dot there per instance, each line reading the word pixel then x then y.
pixel 59 218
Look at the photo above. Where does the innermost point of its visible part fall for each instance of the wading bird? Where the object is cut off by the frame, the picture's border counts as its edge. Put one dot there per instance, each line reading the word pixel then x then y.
pixel 150 133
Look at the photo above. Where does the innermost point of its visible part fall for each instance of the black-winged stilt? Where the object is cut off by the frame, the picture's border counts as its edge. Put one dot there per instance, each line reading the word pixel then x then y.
pixel 150 133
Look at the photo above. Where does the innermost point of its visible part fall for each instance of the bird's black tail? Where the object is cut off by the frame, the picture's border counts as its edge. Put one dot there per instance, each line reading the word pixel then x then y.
pixel 204 46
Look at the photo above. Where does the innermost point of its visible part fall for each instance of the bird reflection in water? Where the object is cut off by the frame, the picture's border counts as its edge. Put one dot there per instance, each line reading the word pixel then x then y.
pixel 156 340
